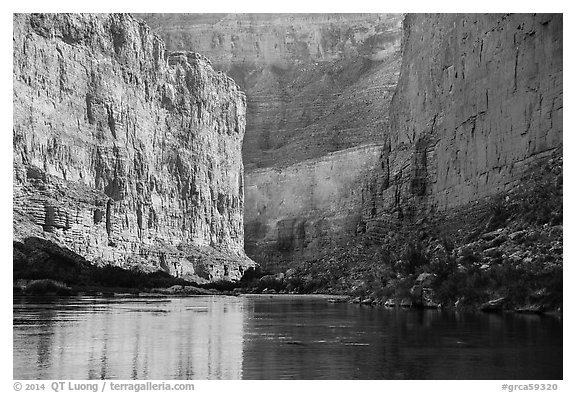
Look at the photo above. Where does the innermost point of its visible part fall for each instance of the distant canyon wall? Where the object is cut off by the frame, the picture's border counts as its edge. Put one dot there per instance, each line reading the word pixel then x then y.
pixel 298 212
pixel 318 88
pixel 478 104
pixel 123 152
pixel 315 83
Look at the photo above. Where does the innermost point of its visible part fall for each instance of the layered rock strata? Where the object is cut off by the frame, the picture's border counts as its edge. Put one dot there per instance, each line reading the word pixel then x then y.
pixel 301 211
pixel 124 153
pixel 315 83
pixel 477 108
pixel 477 111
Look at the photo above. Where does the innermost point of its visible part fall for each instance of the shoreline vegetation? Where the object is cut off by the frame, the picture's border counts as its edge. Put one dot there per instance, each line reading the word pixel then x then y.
pixel 508 258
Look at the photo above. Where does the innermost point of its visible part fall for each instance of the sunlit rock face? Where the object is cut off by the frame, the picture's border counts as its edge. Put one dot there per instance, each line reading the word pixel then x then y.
pixel 315 83
pixel 303 210
pixel 478 105
pixel 123 152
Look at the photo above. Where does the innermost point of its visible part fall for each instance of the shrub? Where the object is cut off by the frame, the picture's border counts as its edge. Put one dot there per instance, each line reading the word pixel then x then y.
pixel 498 213
pixel 47 286
pixel 413 259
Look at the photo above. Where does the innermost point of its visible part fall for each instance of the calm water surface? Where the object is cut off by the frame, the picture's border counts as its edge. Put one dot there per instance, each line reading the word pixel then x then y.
pixel 262 337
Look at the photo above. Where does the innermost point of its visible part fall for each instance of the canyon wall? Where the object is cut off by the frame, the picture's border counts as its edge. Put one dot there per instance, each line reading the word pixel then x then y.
pixel 123 152
pixel 315 83
pixel 298 212
pixel 478 106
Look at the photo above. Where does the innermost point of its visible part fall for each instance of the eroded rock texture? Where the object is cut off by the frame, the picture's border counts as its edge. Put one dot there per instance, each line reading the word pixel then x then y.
pixel 301 211
pixel 315 83
pixel 478 106
pixel 123 152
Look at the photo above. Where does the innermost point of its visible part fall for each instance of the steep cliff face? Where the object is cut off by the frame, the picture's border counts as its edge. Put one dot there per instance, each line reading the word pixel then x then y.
pixel 477 108
pixel 465 206
pixel 123 152
pixel 478 105
pixel 315 83
pixel 303 210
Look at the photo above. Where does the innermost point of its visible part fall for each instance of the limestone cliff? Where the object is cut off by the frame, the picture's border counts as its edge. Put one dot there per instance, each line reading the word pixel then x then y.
pixel 465 207
pixel 477 114
pixel 315 83
pixel 478 106
pixel 124 153
pixel 301 211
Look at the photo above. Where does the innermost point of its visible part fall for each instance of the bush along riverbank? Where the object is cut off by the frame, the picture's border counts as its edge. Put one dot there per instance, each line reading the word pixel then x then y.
pixel 502 254
pixel 41 267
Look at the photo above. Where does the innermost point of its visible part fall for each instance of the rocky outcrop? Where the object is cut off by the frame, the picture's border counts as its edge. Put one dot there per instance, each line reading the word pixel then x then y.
pixel 124 153
pixel 299 212
pixel 478 106
pixel 315 83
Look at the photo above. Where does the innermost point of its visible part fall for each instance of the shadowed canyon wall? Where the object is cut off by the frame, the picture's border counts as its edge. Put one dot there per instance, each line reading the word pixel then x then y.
pixel 302 210
pixel 315 84
pixel 123 152
pixel 478 106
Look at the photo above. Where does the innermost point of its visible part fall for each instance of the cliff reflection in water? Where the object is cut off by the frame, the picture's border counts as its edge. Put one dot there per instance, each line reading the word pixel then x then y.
pixel 199 338
pixel 280 337
pixel 295 339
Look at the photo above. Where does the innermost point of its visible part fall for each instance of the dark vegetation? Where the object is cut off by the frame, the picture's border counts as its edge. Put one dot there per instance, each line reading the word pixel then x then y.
pixel 49 268
pixel 507 250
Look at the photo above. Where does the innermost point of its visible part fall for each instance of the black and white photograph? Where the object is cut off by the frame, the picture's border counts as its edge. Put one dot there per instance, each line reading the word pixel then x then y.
pixel 286 196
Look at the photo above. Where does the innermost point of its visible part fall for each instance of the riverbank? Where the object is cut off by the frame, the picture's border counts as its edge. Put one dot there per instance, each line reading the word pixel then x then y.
pixel 502 254
pixel 49 287
pixel 505 256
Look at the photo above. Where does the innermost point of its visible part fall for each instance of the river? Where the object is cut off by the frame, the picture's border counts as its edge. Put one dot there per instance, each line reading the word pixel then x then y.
pixel 274 337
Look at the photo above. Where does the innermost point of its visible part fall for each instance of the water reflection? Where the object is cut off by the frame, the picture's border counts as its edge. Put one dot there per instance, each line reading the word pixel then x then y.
pixel 262 337
pixel 128 339
pixel 294 340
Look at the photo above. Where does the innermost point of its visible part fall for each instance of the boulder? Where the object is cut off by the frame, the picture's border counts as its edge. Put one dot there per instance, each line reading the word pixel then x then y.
pixel 406 303
pixel 492 235
pixel 493 305
pixel 425 279
pixel 289 273
pixel 518 236
pixel 390 303
pixel 530 309
pixel 493 252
